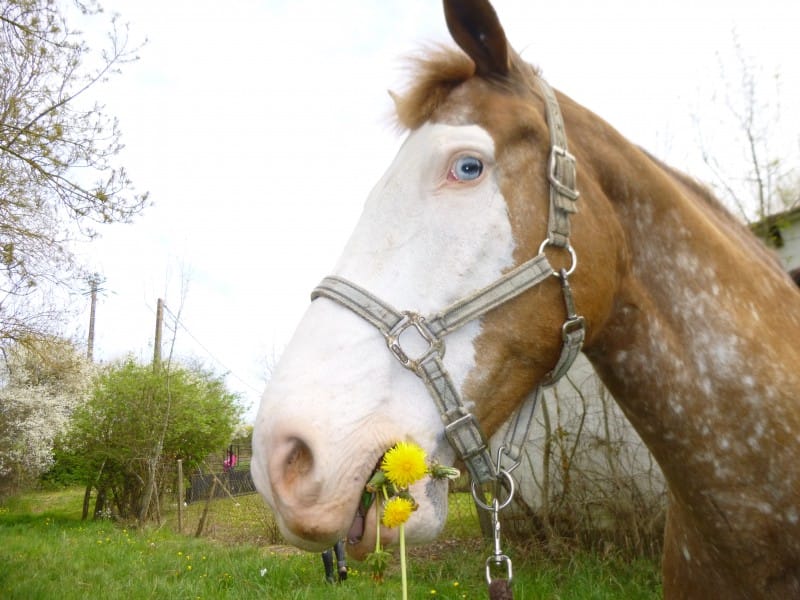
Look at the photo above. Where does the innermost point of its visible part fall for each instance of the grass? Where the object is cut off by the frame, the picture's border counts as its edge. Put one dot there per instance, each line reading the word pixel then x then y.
pixel 46 553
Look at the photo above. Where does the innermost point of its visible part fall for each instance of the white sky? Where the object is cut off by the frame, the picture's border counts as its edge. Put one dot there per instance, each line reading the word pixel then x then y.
pixel 259 127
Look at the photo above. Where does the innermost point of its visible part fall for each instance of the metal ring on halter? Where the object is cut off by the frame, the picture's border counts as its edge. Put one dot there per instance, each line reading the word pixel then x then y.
pixel 573 257
pixel 495 505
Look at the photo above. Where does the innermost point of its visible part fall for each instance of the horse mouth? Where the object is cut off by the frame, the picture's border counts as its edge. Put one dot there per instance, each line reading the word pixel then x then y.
pixel 358 527
pixel 362 533
pixel 356 531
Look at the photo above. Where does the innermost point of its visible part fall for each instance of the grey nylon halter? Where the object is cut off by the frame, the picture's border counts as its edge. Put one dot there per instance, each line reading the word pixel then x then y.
pixel 461 427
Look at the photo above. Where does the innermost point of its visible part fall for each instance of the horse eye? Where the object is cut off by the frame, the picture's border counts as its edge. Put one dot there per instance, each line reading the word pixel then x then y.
pixel 467 168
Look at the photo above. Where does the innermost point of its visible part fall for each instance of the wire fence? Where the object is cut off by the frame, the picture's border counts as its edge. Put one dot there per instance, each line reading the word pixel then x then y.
pixel 222 475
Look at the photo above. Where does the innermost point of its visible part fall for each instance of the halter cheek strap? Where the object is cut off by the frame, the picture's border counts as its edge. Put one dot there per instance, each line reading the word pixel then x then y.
pixel 461 427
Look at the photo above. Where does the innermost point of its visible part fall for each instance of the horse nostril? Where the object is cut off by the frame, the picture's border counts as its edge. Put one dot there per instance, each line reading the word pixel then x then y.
pixel 299 460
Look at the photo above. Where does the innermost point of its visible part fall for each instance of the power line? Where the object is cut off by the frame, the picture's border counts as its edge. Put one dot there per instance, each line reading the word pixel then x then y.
pixel 177 321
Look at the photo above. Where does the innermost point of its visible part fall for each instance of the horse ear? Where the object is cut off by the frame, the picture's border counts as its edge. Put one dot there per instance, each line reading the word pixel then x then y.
pixel 476 29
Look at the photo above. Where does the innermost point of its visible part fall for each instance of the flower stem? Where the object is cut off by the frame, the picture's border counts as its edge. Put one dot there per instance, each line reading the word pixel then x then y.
pixel 403 576
pixel 377 523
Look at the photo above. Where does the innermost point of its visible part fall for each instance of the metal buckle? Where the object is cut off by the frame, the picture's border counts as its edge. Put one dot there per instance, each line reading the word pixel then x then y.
pixel 411 319
pixel 571 326
pixel 453 433
pixel 560 186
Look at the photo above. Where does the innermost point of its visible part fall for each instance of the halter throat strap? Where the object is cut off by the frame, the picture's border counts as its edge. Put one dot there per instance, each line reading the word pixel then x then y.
pixel 460 426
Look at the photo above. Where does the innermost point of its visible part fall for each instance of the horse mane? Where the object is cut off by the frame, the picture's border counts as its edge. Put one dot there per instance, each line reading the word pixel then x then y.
pixel 436 71
pixel 724 217
pixel 694 185
pixel 433 74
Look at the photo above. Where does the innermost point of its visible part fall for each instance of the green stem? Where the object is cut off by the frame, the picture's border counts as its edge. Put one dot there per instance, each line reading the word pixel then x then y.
pixel 377 523
pixel 403 576
pixel 378 517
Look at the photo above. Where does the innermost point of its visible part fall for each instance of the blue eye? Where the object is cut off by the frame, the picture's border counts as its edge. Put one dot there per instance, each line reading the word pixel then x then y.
pixel 467 168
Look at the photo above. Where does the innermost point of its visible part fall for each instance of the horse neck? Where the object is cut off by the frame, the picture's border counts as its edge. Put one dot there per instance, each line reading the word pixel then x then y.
pixel 700 348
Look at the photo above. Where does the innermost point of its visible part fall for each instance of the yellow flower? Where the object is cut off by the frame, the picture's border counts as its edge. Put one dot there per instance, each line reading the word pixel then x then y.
pixel 404 464
pixel 397 511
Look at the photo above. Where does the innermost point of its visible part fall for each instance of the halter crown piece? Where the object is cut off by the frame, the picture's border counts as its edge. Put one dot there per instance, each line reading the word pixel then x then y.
pixel 461 427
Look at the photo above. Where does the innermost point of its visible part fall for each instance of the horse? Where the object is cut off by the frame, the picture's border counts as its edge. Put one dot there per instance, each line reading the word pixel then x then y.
pixel 505 185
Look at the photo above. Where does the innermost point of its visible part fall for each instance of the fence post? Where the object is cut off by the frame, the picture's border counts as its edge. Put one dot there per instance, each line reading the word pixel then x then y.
pixel 180 495
pixel 204 516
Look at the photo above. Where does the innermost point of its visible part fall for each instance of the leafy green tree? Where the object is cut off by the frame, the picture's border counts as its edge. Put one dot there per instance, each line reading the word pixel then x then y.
pixel 58 176
pixel 42 381
pixel 133 408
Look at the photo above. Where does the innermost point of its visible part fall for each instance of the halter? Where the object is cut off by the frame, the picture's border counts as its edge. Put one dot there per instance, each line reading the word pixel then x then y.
pixel 460 426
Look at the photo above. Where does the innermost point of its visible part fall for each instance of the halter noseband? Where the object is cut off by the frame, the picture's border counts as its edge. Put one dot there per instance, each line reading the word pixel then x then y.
pixel 461 428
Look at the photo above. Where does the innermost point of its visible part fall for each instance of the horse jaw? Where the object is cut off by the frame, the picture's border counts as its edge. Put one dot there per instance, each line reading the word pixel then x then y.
pixel 329 414
pixel 338 399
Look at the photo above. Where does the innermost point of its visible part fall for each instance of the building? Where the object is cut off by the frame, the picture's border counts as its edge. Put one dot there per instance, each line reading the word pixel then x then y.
pixel 781 232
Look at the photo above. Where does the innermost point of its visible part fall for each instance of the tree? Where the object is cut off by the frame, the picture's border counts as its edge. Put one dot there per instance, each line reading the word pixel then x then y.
pixel 111 437
pixel 759 179
pixel 41 383
pixel 58 177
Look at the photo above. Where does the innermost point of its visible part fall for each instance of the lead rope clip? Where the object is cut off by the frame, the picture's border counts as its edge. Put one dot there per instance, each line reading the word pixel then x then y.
pixel 499 587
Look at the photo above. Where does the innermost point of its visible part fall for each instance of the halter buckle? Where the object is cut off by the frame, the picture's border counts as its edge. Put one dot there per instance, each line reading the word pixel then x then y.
pixel 565 189
pixel 466 436
pixel 572 325
pixel 417 321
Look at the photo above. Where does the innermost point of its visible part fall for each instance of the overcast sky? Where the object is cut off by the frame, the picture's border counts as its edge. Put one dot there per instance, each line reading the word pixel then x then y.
pixel 259 127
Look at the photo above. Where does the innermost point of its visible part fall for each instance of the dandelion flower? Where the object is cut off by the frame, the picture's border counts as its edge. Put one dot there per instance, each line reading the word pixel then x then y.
pixel 397 511
pixel 404 464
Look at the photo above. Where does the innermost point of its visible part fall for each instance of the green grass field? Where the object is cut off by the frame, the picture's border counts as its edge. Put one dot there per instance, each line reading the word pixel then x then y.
pixel 47 553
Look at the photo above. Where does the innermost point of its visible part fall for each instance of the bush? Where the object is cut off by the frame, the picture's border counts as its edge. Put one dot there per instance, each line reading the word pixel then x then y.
pixel 136 422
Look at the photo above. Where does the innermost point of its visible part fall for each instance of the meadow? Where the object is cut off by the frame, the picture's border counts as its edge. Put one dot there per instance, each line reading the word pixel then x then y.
pixel 47 552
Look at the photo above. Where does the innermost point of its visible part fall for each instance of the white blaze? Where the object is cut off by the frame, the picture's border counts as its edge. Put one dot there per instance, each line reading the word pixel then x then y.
pixel 423 242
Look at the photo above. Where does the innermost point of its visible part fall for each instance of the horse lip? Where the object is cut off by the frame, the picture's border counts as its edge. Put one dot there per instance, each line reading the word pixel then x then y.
pixel 356 531
pixel 355 534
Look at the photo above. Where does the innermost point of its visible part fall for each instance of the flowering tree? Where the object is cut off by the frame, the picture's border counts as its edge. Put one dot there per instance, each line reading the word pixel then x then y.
pixel 42 381
pixel 58 174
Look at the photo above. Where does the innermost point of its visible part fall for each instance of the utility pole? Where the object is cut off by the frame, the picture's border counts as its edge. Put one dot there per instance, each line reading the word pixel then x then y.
pixel 159 328
pixel 94 282
pixel 152 461
pixel 180 496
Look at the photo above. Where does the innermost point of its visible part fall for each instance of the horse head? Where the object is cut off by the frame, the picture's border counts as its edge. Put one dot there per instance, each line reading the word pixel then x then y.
pixel 466 201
